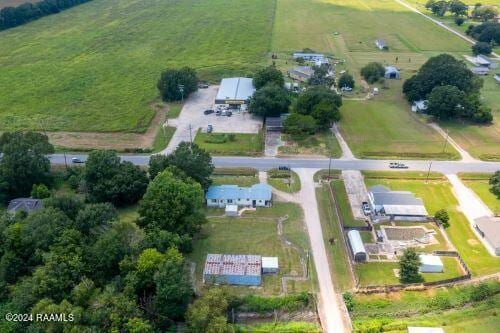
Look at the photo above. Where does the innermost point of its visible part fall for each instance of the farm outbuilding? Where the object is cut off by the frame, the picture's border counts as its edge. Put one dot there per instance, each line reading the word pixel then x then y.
pixel 430 264
pixel 391 72
pixel 301 73
pixel 235 91
pixel 420 106
pixel 231 210
pixel 308 56
pixel 270 265
pixel 357 247
pixel 258 195
pixel 397 205
pixel 381 45
pixel 234 269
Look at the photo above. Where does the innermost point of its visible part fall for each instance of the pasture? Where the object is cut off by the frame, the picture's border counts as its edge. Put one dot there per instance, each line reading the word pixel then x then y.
pixel 437 194
pixel 94 67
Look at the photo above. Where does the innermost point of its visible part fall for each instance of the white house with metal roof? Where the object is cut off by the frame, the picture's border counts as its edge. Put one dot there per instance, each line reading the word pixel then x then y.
pixel 357 247
pixel 398 205
pixel 235 91
pixel 258 195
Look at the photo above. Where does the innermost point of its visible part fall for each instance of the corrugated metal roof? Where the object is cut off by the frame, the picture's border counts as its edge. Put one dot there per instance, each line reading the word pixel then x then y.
pixel 410 210
pixel 356 242
pixel 27 205
pixel 235 88
pixel 490 226
pixel 234 192
pixel 396 198
pixel 307 55
pixel 233 264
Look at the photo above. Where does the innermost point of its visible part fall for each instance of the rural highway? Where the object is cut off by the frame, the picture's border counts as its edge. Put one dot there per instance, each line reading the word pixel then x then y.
pixel 266 163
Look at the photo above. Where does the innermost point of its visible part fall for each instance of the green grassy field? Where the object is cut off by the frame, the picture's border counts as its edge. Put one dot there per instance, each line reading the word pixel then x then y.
pixel 437 194
pixel 286 181
pixel 324 144
pixel 393 312
pixel 336 252
pixel 338 188
pixel 255 233
pixel 482 189
pixel 162 138
pixel 235 180
pixel 243 144
pixel 94 67
pixel 382 273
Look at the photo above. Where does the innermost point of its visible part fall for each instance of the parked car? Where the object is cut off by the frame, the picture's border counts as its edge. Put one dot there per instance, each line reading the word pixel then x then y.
pixel 209 111
pixel 77 160
pixel 284 168
pixel 210 128
pixel 366 208
pixel 202 86
pixel 397 165
pixel 229 113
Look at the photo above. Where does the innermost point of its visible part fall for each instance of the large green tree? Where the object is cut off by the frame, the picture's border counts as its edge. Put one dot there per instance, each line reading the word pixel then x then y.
pixel 23 163
pixel 446 102
pixel 172 204
pixel 321 77
pixel 190 159
pixel 298 124
pixel 313 96
pixel 495 184
pixel 267 75
pixel 175 84
pixel 108 179
pixel 372 72
pixel 270 101
pixel 208 314
pixel 409 266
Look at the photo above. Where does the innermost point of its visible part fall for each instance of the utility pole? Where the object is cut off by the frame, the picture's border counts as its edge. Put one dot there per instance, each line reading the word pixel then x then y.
pixel 329 167
pixel 181 90
pixel 65 161
pixel 190 135
pixel 428 173
pixel 446 139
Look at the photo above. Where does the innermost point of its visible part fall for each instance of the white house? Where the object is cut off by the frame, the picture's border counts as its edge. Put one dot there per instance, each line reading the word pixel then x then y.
pixel 420 106
pixel 259 195
pixel 381 45
pixel 430 264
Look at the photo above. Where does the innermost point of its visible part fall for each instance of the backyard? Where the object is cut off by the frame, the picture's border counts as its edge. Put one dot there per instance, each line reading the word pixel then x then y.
pixel 256 233
pixel 437 194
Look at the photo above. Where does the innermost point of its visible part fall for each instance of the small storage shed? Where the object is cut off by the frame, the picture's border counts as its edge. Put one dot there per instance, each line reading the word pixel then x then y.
pixel 270 265
pixel 357 247
pixel 231 210
pixel 430 264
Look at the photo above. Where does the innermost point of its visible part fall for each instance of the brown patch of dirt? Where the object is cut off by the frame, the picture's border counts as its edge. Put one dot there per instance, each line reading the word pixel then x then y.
pixel 111 140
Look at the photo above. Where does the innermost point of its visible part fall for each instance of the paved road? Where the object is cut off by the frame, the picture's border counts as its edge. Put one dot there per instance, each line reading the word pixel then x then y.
pixel 266 163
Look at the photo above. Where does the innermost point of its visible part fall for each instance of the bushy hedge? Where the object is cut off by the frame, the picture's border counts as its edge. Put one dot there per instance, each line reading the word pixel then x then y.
pixel 261 304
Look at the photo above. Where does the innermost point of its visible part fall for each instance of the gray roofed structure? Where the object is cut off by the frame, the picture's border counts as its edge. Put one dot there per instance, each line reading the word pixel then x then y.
pixel 27 205
pixel 489 228
pixel 395 203
pixel 236 90
pixel 357 247
pixel 396 198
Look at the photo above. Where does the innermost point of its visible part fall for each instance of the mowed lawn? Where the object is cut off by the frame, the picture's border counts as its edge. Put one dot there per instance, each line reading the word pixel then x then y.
pixel 255 233
pixel 94 67
pixel 245 144
pixel 384 128
pixel 437 194
pixel 479 183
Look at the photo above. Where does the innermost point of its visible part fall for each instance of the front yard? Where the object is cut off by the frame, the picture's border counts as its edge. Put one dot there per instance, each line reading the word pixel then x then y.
pixel 231 144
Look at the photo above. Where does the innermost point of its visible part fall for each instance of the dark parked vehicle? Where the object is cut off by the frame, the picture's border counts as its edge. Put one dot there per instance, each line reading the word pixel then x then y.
pixel 366 208
pixel 284 168
pixel 218 112
pixel 210 128
pixel 229 113
pixel 202 86
pixel 77 160
pixel 397 165
pixel 209 111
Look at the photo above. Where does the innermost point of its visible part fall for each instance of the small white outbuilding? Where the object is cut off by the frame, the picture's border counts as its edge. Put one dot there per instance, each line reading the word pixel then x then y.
pixel 231 210
pixel 270 265
pixel 430 264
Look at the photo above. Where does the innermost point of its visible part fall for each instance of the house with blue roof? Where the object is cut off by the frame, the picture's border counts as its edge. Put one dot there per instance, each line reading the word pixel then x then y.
pixel 258 195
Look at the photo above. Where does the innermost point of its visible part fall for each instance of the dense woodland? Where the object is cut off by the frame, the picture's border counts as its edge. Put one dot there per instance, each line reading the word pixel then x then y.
pixel 14 16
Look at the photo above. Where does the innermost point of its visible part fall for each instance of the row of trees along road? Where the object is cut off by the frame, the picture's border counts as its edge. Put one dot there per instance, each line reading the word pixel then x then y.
pixel 314 110
pixel 452 90
pixel 77 256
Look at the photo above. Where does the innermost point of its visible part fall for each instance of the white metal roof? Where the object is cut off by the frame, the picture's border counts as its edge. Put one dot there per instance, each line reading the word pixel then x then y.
pixel 411 210
pixel 235 88
pixel 233 264
pixel 430 260
pixel 356 242
pixel 270 262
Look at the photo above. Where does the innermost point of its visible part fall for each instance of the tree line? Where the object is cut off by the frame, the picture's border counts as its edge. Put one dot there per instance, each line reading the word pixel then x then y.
pixel 14 16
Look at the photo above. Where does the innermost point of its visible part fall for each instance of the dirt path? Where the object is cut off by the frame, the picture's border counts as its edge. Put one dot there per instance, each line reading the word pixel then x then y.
pixel 334 317
pixel 346 151
pixel 441 24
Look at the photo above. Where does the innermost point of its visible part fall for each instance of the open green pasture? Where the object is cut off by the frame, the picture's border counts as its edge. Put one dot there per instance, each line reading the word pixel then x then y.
pixel 479 183
pixel 256 233
pixel 437 194
pixel 94 67
pixel 385 128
